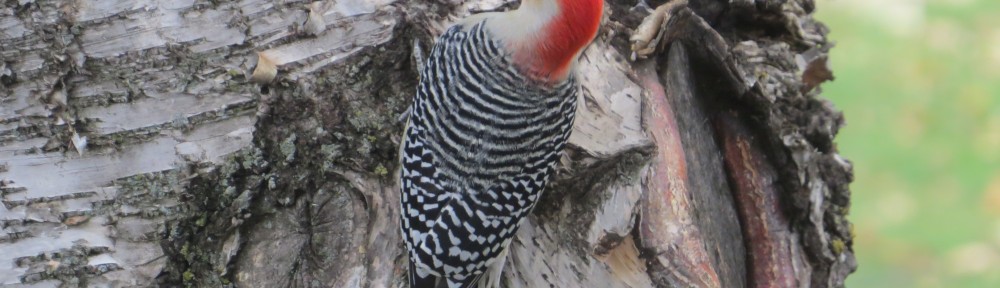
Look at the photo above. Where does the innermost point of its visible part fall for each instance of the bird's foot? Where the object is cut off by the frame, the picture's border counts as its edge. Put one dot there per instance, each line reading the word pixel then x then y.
pixel 650 36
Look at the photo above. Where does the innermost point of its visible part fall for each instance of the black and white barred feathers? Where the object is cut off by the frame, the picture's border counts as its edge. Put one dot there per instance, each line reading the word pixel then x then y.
pixel 481 142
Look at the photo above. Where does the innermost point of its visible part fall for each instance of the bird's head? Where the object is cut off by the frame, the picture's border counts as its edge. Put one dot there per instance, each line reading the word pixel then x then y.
pixel 547 36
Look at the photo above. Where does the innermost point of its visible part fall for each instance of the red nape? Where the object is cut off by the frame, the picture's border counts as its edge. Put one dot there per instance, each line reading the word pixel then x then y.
pixel 567 34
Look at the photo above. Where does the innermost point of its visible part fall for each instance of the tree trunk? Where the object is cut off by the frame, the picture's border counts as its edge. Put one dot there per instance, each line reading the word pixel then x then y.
pixel 149 143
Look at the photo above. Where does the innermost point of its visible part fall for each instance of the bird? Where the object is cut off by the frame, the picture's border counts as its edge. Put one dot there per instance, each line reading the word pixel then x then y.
pixel 493 111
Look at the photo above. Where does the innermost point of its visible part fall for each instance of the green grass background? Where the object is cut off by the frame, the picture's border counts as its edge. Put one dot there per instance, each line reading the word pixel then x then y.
pixel 919 83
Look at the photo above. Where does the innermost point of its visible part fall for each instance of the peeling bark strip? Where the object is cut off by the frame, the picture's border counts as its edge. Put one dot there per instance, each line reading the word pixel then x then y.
pixel 711 198
pixel 137 151
pixel 771 80
pixel 775 257
pixel 666 230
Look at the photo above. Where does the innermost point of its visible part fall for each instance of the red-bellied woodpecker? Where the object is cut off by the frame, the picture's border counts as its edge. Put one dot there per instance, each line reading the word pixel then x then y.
pixel 493 111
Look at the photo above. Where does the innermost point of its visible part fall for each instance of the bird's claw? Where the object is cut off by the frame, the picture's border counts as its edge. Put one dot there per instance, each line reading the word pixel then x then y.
pixel 649 36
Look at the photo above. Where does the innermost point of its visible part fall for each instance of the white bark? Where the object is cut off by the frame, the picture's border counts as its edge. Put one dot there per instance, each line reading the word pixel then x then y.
pixel 152 86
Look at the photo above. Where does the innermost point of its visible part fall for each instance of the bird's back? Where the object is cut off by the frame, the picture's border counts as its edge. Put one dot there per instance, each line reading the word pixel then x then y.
pixel 481 142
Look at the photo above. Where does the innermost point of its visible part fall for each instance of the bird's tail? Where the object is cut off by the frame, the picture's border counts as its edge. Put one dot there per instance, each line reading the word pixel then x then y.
pixel 420 278
pixel 491 279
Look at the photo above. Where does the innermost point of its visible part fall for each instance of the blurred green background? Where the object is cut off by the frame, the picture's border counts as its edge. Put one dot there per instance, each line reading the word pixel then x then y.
pixel 919 83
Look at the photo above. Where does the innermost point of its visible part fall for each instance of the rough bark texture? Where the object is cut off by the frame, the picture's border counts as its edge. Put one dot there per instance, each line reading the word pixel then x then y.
pixel 138 152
